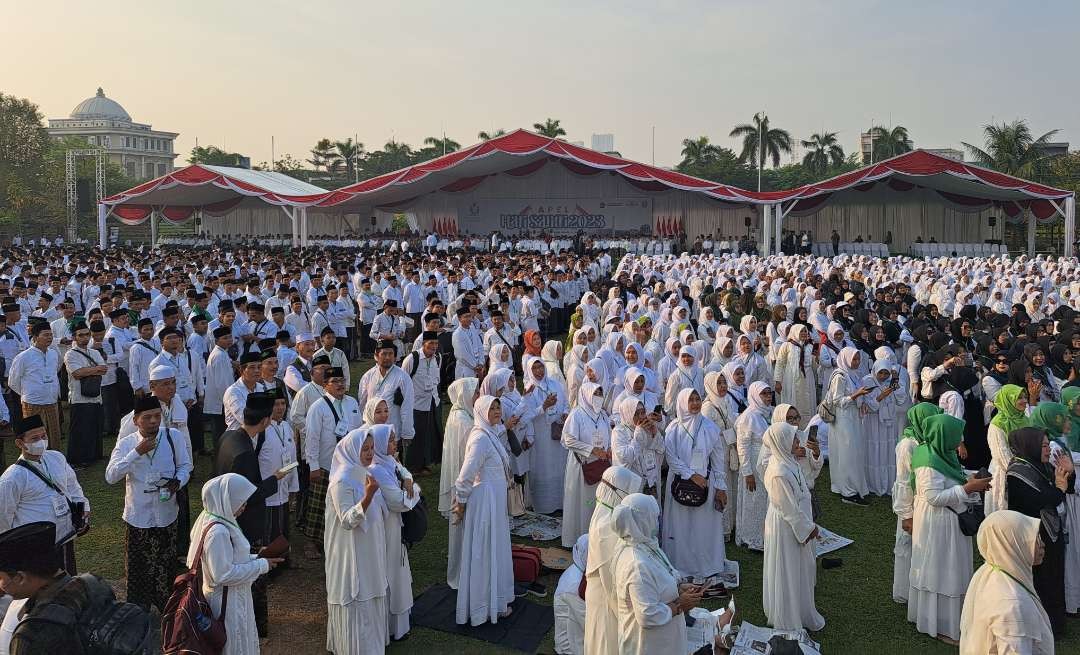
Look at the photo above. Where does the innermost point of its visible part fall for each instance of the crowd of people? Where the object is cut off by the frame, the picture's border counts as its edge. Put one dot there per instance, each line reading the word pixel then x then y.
pixel 660 406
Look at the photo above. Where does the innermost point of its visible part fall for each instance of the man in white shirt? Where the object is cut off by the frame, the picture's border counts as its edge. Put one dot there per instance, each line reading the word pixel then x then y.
pixel 33 376
pixel 387 381
pixel 337 358
pixel 328 420
pixel 500 332
pixel 219 376
pixel 153 464
pixel 298 371
pixel 390 326
pixel 468 347
pixel 236 395
pixel 422 366
pixel 414 299
pixel 143 351
pixel 86 369
pixel 41 486
pixel 370 304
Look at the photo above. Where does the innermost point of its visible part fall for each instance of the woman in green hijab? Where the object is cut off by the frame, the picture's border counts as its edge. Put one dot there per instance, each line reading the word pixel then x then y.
pixel 1011 404
pixel 1070 397
pixel 941 556
pixel 1053 418
pixel 902 497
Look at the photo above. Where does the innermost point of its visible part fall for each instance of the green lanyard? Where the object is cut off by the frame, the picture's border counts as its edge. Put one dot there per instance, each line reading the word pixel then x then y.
pixel 995 567
pixel 231 522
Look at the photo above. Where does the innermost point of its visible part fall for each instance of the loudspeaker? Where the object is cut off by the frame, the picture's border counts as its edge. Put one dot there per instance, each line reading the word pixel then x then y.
pixel 198 220
pixel 746 221
pixel 993 221
pixel 372 221
pixel 84 196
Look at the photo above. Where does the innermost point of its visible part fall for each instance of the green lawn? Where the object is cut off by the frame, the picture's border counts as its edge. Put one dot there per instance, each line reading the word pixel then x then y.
pixel 855 598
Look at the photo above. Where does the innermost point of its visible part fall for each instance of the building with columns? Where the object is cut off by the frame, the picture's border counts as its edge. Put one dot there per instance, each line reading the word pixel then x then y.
pixel 141 151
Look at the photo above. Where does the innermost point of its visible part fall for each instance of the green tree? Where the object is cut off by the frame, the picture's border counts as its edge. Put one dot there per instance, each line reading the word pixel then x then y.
pixel 441 146
pixel 550 128
pixel 760 141
pixel 488 136
pixel 888 142
pixel 823 151
pixel 1011 149
pixel 322 154
pixel 698 152
pixel 23 146
pixel 214 156
pixel 348 153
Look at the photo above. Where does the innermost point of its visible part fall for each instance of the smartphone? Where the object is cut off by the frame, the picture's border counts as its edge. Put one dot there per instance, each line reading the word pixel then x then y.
pixel 812 433
pixel 659 410
pixel 288 467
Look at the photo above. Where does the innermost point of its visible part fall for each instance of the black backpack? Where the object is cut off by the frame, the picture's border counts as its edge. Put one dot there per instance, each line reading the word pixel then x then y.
pixel 414 523
pixel 105 626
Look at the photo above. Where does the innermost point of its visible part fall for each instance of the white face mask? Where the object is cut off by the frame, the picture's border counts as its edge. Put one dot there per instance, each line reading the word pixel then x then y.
pixel 596 402
pixel 37 448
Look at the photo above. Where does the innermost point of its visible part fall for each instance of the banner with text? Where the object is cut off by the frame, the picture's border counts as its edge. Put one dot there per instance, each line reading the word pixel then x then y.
pixel 516 215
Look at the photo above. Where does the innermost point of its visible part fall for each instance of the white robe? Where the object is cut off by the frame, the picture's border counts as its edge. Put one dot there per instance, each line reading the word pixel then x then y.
pixel 644 586
pixel 548 456
pixel 356 577
pixel 486 577
pixel 790 566
pixel 941 558
pixel 847 444
pixel 753 505
pixel 799 387
pixel 1000 457
pixel 226 564
pixel 726 423
pixel 879 434
pixel 903 499
pixel 398 571
pixel 580 435
pixel 691 536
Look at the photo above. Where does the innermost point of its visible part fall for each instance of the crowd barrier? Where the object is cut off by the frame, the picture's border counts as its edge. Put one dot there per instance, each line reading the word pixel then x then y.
pixel 961 249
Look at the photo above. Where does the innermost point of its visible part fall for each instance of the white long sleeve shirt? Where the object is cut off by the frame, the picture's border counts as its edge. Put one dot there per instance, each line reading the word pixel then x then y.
pixel 25 498
pixel 278 450
pixel 33 375
pixel 142 474
pixel 140 356
pixel 322 431
pixel 234 401
pixel 219 376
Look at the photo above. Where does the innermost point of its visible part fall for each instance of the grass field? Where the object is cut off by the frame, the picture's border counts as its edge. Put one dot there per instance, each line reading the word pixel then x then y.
pixel 855 598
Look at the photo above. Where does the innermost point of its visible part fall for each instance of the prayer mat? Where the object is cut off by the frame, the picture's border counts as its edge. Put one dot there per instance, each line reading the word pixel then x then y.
pixel 538 527
pixel 556 559
pixel 524 630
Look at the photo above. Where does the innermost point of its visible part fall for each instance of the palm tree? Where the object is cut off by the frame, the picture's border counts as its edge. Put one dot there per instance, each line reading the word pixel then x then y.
pixel 488 136
pixel 443 145
pixel 398 154
pixel 761 141
pixel 321 154
pixel 550 128
pixel 698 151
pixel 348 152
pixel 1011 149
pixel 888 142
pixel 822 151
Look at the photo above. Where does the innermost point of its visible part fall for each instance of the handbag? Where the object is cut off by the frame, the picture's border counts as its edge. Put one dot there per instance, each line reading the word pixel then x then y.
pixel 970 519
pixel 515 443
pixel 89 386
pixel 515 500
pixel 825 412
pixel 593 471
pixel 686 492
pixel 188 626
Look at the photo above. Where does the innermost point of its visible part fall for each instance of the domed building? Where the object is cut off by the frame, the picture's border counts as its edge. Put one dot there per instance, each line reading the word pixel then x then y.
pixel 140 150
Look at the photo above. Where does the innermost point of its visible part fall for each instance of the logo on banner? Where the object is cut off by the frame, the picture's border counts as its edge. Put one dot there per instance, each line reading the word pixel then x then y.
pixel 552 217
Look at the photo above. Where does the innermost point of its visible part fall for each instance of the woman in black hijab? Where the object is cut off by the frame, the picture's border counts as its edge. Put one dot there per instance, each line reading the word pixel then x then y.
pixel 1061 358
pixel 860 337
pixel 1036 357
pixel 963 334
pixel 1036 487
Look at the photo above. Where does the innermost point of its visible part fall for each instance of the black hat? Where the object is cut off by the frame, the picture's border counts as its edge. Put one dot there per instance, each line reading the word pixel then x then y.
pixel 496 312
pixel 320 297
pixel 144 322
pixel 10 307
pixel 169 332
pixel 462 311
pixel 259 401
pixel 255 307
pixel 282 335
pixel 383 344
pixel 221 331
pixel 429 335
pixel 225 306
pixel 29 546
pixel 170 311
pixel 268 353
pixel 146 403
pixel 28 423
pixel 118 313
pixel 320 360
pixel 390 302
pixel 326 330
pixel 334 372
pixel 269 343
pixel 277 309
pixel 97 326
pixel 249 358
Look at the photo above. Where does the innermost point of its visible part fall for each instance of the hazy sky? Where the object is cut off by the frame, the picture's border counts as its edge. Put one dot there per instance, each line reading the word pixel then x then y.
pixel 235 72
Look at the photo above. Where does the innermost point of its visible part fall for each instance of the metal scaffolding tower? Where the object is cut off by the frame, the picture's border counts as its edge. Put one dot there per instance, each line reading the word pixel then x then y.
pixel 72 188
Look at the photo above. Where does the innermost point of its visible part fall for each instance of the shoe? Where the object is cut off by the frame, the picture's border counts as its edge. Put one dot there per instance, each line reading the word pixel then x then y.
pixel 855 500
pixel 536 589
pixel 520 590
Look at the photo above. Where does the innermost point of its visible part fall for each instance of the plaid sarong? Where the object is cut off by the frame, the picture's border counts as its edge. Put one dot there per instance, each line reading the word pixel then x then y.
pixel 314 510
pixel 151 565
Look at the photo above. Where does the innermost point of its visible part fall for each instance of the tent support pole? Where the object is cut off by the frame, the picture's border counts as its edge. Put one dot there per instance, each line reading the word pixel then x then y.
pixel 1070 225
pixel 303 227
pixel 291 213
pixel 1030 233
pixel 153 229
pixel 778 224
pixel 102 213
pixel 766 229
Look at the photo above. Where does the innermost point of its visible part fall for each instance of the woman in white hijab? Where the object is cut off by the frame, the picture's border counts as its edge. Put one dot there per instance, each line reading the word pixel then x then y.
pixel 597 372
pixel 552 354
pixel 669 363
pixel 486 578
pixel 587 439
pixel 637 442
pixel 835 341
pixel 687 375
pixel 574 368
pixel 601 622
pixel 636 357
pixel 1002 613
pixel 722 353
pixel 463 393
pixel 356 579
pixel 847 449
pixel 796 377
pixel 499 357
pixel 647 594
pixel 750 428
pixel 721 410
pixel 696 452
pixel 547 464
pixel 708 328
pixel 227 560
pixel 757 369
pixel 570 604
pixel 880 426
pixel 735 375
pixel 790 566
pixel 400 495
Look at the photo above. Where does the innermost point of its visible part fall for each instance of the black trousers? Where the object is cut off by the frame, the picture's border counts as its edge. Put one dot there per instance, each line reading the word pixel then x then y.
pixel 110 408
pixel 197 427
pixel 217 427
pixel 418 453
pixel 350 342
pixel 85 432
pixel 367 346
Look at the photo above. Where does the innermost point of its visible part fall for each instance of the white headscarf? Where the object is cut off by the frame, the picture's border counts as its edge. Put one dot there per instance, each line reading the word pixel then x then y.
pixel 778 439
pixel 617 483
pixel 221 497
pixel 495 382
pixel 495 357
pixel 636 521
pixel 754 403
pixel 571 578
pixel 1001 594
pixel 347 471
pixel 845 364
